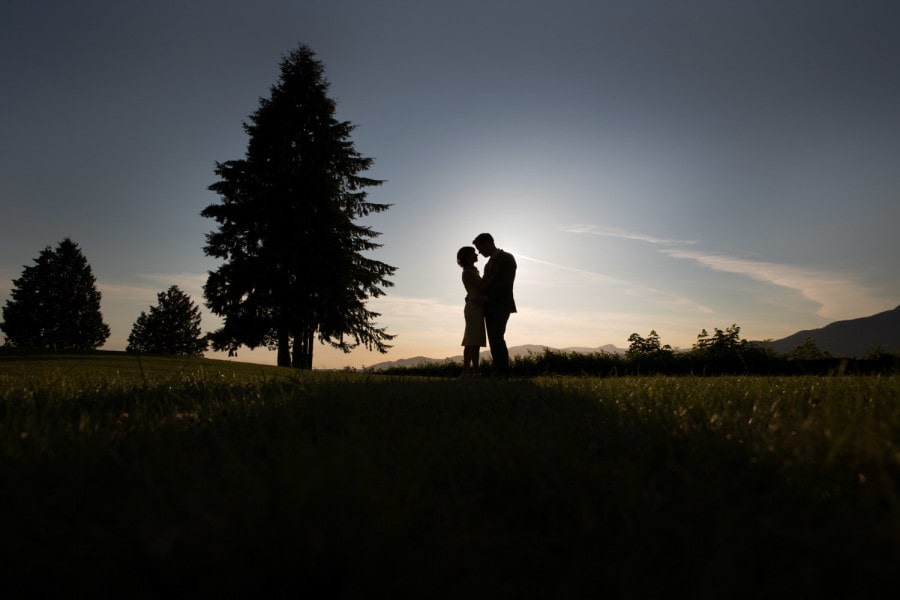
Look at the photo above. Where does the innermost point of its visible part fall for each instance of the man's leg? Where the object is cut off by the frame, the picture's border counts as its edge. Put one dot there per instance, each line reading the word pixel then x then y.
pixel 495 323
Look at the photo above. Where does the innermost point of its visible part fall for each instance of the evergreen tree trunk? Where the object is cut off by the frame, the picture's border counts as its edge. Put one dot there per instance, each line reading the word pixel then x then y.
pixel 284 347
pixel 309 348
pixel 303 349
pixel 298 352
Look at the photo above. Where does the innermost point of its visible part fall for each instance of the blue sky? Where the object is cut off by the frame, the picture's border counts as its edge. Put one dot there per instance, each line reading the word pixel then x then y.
pixel 652 165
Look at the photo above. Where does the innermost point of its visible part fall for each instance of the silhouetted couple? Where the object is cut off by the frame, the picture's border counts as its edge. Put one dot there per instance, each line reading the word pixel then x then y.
pixel 489 302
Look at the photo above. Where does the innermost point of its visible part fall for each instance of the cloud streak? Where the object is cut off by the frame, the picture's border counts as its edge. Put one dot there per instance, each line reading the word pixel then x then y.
pixel 838 295
pixel 190 283
pixel 615 232
pixel 575 270
pixel 630 287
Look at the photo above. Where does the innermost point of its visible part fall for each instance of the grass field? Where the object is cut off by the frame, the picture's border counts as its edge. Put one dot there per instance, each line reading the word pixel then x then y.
pixel 153 477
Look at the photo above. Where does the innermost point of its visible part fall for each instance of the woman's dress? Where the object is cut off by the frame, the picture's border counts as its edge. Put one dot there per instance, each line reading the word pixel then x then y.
pixel 474 334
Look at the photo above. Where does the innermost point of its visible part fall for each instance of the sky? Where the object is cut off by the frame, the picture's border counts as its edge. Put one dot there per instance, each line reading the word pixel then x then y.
pixel 652 165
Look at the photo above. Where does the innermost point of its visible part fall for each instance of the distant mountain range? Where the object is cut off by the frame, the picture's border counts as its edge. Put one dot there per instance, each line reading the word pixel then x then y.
pixel 513 351
pixel 852 339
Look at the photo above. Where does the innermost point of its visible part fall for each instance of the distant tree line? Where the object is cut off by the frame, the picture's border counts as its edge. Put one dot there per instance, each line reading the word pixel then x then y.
pixel 55 306
pixel 723 352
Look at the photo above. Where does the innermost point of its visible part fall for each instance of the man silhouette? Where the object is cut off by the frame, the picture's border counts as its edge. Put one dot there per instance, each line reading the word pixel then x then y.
pixel 499 275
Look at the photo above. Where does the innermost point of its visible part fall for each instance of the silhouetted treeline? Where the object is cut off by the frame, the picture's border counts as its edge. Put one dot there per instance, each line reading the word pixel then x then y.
pixel 752 361
pixel 723 352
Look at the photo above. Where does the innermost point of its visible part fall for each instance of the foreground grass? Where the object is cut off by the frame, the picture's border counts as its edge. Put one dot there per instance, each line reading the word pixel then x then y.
pixel 210 478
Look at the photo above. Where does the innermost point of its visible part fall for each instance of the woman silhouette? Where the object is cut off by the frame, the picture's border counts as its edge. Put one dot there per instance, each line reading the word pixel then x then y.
pixel 474 337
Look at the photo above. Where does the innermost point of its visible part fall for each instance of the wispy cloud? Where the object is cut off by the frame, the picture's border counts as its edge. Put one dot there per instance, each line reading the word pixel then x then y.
pixel 630 287
pixel 190 283
pixel 583 272
pixel 145 293
pixel 620 233
pixel 123 301
pixel 839 295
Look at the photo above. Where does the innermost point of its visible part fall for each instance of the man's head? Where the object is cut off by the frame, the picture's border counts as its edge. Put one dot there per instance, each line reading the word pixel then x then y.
pixel 485 244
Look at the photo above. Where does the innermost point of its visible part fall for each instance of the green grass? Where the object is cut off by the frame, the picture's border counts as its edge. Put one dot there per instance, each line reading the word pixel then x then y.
pixel 151 476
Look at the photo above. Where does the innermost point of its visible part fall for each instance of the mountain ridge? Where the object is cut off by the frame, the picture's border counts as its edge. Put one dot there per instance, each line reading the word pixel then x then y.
pixel 851 338
pixel 513 351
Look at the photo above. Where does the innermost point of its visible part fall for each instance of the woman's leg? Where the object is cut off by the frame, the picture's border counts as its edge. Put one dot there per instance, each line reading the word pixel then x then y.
pixel 470 360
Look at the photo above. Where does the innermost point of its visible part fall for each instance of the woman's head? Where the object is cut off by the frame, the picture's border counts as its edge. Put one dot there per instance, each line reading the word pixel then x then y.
pixel 466 256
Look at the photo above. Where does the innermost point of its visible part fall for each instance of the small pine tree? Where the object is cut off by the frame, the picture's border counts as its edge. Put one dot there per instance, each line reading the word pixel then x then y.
pixel 55 304
pixel 172 327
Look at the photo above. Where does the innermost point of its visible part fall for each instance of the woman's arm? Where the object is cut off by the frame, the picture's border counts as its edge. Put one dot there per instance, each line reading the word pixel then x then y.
pixel 473 279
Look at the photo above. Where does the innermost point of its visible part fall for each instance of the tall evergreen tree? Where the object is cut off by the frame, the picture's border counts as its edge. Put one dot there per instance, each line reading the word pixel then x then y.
pixel 55 304
pixel 172 327
pixel 295 269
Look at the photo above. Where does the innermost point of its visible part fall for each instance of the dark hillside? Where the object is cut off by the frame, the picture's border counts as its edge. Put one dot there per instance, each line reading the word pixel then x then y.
pixel 851 338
